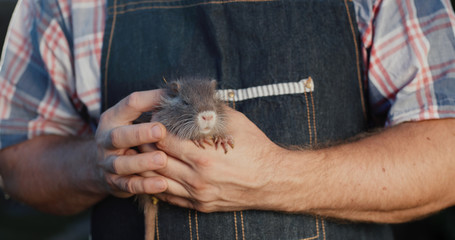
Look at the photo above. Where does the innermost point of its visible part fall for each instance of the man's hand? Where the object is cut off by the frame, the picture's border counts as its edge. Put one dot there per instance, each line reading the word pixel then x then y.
pixel 67 174
pixel 396 175
pixel 120 165
pixel 210 180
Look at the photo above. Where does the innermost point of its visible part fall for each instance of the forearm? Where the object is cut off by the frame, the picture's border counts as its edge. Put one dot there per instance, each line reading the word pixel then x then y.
pixel 65 175
pixel 397 175
pixel 54 174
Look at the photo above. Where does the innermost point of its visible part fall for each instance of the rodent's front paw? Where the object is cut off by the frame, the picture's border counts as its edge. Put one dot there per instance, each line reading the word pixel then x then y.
pixel 224 141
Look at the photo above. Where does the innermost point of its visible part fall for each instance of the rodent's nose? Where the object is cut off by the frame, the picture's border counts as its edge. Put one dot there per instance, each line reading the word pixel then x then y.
pixel 206 121
pixel 207 117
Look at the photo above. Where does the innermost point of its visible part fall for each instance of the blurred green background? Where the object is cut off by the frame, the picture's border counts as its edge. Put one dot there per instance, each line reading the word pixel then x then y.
pixel 18 221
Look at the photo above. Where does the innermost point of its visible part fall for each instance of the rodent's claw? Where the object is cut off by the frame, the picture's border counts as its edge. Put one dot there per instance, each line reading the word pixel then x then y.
pixel 230 141
pixel 205 140
pixel 216 142
pixel 224 142
pixel 224 147
pixel 199 143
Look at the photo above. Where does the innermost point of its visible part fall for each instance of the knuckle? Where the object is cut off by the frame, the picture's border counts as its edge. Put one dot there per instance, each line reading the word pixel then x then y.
pixel 129 186
pixel 132 100
pixel 114 137
pixel 124 185
pixel 103 117
pixel 109 181
pixel 141 135
pixel 197 184
pixel 164 198
pixel 203 207
pixel 119 184
pixel 112 162
pixel 150 188
pixel 202 198
pixel 203 162
pixel 166 147
pixel 142 188
pixel 161 145
pixel 203 193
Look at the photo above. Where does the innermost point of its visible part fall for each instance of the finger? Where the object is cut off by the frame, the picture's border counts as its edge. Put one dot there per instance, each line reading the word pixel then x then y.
pixel 148 174
pixel 134 164
pixel 134 184
pixel 133 135
pixel 122 194
pixel 180 149
pixel 173 187
pixel 175 200
pixel 179 176
pixel 131 107
pixel 131 152
pixel 149 147
pixel 178 171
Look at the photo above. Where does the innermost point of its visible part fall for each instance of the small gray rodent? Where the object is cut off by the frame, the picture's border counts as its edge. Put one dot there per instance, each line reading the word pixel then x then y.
pixel 190 110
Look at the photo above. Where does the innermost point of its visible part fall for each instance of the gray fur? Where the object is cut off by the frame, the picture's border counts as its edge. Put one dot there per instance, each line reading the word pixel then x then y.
pixel 183 101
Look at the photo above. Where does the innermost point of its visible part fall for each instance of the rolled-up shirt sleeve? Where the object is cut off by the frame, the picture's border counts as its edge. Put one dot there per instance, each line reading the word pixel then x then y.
pixel 37 90
pixel 409 54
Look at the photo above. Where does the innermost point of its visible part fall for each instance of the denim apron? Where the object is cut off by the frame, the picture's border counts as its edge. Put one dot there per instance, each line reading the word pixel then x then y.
pixel 291 66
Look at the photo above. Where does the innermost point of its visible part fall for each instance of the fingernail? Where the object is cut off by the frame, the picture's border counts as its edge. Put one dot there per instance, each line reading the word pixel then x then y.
pixel 156 132
pixel 158 160
pixel 160 185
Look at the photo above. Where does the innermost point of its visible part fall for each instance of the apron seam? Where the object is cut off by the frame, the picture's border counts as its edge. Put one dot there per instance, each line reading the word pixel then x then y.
pixel 181 6
pixel 357 58
pixel 106 71
pixel 308 118
pixel 314 119
pixel 317 231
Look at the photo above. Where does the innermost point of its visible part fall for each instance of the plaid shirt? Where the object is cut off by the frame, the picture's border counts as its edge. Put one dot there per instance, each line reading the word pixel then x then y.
pixel 50 69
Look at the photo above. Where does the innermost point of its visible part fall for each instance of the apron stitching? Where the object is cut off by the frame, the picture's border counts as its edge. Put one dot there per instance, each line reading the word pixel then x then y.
pixel 114 19
pixel 190 5
pixel 357 58
pixel 189 224
pixel 161 1
pixel 243 227
pixel 309 120
pixel 235 226
pixel 314 119
pixel 317 231
pixel 323 227
pixel 197 225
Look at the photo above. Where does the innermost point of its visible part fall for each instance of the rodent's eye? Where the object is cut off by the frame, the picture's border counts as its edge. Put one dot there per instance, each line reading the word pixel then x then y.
pixel 185 103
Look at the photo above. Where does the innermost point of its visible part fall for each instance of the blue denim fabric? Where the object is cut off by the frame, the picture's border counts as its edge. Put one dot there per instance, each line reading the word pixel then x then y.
pixel 241 44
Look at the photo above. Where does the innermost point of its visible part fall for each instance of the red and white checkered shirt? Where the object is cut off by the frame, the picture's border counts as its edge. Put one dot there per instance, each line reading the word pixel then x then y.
pixel 50 69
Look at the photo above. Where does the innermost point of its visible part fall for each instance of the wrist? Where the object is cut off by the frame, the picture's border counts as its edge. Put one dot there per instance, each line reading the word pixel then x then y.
pixel 87 175
pixel 295 180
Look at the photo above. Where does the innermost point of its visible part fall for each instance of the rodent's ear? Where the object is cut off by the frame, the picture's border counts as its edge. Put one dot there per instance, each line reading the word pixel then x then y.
pixel 213 83
pixel 174 87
